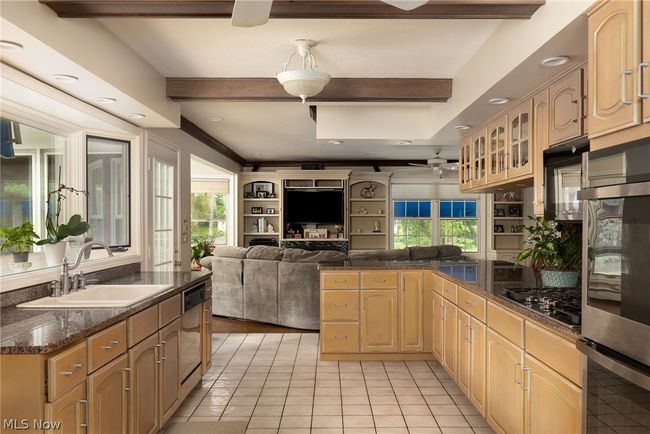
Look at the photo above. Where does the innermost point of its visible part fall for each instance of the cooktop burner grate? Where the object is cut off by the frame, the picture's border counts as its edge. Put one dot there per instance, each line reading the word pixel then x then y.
pixel 563 305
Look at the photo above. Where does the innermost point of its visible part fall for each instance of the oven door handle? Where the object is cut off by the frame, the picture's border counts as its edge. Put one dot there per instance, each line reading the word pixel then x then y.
pixel 618 367
pixel 612 191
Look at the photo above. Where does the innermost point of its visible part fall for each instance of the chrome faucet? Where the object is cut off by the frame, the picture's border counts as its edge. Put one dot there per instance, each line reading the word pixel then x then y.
pixel 64 276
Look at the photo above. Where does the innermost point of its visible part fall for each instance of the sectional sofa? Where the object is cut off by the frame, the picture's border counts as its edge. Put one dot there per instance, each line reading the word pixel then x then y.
pixel 282 286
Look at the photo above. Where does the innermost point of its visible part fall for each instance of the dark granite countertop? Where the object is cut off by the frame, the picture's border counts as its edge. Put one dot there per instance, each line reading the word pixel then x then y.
pixel 41 331
pixel 487 278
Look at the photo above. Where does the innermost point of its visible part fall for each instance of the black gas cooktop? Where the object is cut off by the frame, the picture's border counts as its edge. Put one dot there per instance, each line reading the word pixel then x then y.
pixel 563 305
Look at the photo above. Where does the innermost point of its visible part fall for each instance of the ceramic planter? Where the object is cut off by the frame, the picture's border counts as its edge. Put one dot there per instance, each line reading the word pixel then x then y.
pixel 54 253
pixel 20 257
pixel 559 279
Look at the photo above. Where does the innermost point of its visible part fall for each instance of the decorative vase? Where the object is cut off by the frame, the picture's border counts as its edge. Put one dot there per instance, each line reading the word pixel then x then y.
pixel 54 253
pixel 559 279
pixel 21 257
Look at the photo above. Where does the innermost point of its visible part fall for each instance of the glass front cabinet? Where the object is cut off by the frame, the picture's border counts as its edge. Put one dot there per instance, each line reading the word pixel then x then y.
pixel 465 163
pixel 479 158
pixel 519 150
pixel 497 151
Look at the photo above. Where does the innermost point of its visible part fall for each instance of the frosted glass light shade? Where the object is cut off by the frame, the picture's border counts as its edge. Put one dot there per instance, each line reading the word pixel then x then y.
pixel 303 83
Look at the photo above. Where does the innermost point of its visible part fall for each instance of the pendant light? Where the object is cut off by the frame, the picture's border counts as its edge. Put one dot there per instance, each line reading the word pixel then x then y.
pixel 305 82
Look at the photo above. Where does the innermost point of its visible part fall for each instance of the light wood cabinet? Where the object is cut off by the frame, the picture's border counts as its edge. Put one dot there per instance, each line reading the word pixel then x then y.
pixel 505 397
pixel 540 138
pixel 565 108
pixel 71 410
pixel 438 325
pixel 143 385
pixel 379 321
pixel 340 337
pixel 169 370
pixel 449 313
pixel 206 336
pixel 340 305
pixel 497 150
pixel 339 280
pixel 644 66
pixel 463 371
pixel 614 49
pixel 477 333
pixel 479 158
pixel 465 163
pixel 411 305
pixel 107 398
pixel 519 141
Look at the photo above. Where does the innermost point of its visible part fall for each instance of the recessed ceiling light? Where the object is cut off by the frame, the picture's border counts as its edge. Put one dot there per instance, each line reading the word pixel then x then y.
pixel 214 118
pixel 10 46
pixel 335 142
pixel 136 116
pixel 554 61
pixel 105 100
pixel 498 101
pixel 462 127
pixel 64 78
pixel 405 142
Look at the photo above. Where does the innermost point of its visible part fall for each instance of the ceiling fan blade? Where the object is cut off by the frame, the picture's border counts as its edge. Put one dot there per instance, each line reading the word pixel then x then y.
pixel 449 166
pixel 251 13
pixel 406 5
pixel 418 165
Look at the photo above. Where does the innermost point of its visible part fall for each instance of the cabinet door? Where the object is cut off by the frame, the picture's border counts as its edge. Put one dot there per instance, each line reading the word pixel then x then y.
pixel 553 403
pixel 505 397
pixel 477 364
pixel 438 325
pixel 565 108
pixel 70 410
pixel 107 398
pixel 206 337
pixel 614 38
pixel 496 139
pixel 464 163
pixel 644 67
pixel 540 140
pixel 479 158
pixel 463 375
pixel 379 321
pixel 170 377
pixel 411 303
pixel 449 346
pixel 143 407
pixel 520 152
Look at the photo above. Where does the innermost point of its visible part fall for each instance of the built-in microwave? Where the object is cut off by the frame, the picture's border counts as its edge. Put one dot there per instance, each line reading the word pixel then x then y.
pixel 563 181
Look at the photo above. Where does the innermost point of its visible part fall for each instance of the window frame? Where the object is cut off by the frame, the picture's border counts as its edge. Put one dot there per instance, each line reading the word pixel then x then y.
pixel 393 219
pixel 225 219
pixel 477 218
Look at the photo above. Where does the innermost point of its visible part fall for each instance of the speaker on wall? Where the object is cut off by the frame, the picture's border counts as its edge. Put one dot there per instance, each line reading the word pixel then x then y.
pixel 312 166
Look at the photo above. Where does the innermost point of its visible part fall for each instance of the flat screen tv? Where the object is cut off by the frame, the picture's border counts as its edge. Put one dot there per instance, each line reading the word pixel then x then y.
pixel 314 206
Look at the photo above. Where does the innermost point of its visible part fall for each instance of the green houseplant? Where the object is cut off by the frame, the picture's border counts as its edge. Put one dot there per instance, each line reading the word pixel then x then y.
pixel 18 240
pixel 201 247
pixel 556 254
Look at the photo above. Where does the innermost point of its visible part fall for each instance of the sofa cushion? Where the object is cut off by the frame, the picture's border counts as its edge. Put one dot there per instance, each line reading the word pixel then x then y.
pixel 300 255
pixel 206 262
pixel 418 253
pixel 230 252
pixel 447 251
pixel 383 255
pixel 268 253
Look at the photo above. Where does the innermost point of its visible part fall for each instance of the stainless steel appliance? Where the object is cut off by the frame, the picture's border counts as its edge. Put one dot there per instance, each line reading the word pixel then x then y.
pixel 561 305
pixel 563 181
pixel 191 330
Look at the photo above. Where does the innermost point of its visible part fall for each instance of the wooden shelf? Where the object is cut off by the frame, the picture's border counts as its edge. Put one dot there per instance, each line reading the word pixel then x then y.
pixel 366 234
pixel 259 199
pixel 314 239
pixel 519 202
pixel 261 233
pixel 508 218
pixel 367 215
pixel 261 215
pixel 367 200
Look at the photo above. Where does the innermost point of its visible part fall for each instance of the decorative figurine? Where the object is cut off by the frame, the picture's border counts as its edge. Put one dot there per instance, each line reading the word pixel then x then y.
pixel 377 227
pixel 369 191
pixel 380 211
pixel 363 210
pixel 359 230
pixel 269 228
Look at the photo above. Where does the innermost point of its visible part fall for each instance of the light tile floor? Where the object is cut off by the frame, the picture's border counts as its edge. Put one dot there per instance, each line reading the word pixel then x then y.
pixel 277 384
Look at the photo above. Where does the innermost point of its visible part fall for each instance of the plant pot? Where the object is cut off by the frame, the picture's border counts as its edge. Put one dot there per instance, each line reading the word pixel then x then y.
pixel 54 253
pixel 20 257
pixel 559 279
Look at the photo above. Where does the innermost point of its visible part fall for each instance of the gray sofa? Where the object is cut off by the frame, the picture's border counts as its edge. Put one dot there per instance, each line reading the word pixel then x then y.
pixel 282 286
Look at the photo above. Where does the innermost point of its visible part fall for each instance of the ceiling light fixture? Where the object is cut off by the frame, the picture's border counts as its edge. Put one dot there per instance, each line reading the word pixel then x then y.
pixel 305 82
pixel 214 118
pixel 498 101
pixel 554 61
pixel 65 78
pixel 335 142
pixel 462 127
pixel 105 100
pixel 10 46
pixel 405 142
pixel 136 116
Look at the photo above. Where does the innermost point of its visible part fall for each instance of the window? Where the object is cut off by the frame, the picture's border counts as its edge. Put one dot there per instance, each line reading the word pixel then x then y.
pixel 209 216
pixel 108 190
pixel 459 224
pixel 411 223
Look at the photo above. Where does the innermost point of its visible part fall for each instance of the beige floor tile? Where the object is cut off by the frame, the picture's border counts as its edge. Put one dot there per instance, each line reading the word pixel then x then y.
pixel 436 391
pixel 276 383
pixel 383 399
pixel 326 430
pixel 268 410
pixel 451 430
pixel 220 392
pixel 413 430
pixel 415 410
pixel 297 410
pixel 468 410
pixel 299 400
pixel 375 391
pixel 326 422
pixel 300 391
pixel 327 391
pixel 358 421
pixel 391 430
pixel 327 410
pixel 271 400
pixel 461 400
pixel 474 421
pixel 247 391
pixel 204 419
pixel 293 430
pixel 209 410
pixel 439 400
pixel 411 400
pixel 356 410
pixel 375 375
pixel 354 391
pixel 359 430
pixel 377 383
pixel 452 421
pixel 403 383
pixel 215 400
pixel 295 422
pixel 355 399
pixel 239 410
pixel 234 418
pixel 302 383
pixel 274 391
pixel 444 410
pixel 484 431
pixel 261 431
pixel 420 421
pixel 327 400
pixel 386 410
pixel 351 375
pixel 251 383
pixel 264 422
pixel 389 421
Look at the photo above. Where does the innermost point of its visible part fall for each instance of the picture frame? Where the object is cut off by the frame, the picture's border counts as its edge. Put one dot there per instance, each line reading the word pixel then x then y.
pixel 263 187
pixel 513 211
pixel 499 212
pixel 498 229
pixel 257 210
pixel 261 194
pixel 270 210
pixel 514 229
pixel 315 233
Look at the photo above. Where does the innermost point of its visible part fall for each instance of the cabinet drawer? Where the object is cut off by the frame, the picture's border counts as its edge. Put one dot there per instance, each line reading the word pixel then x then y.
pixel 339 280
pixel 142 324
pixel 471 303
pixel 436 283
pixel 106 345
pixel 169 310
pixel 555 351
pixel 508 324
pixel 340 337
pixel 66 370
pixel 449 291
pixel 379 280
pixel 340 305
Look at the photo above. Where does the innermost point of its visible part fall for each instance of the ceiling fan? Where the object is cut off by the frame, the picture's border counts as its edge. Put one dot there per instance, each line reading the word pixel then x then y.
pixel 251 13
pixel 438 164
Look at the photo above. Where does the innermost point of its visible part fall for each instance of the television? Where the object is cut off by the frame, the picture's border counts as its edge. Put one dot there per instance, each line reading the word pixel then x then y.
pixel 314 206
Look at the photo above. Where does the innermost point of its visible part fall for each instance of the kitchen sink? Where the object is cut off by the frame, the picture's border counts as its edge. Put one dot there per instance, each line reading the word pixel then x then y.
pixel 99 296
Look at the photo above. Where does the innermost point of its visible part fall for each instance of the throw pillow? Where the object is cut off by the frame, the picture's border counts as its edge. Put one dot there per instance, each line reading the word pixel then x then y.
pixel 418 253
pixel 300 255
pixel 268 253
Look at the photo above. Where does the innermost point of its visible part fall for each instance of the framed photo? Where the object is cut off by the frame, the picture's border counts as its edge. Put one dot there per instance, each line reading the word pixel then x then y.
pixel 513 211
pixel 515 229
pixel 266 188
pixel 498 229
pixel 261 195
pixel 270 210
pixel 257 210
pixel 498 212
pixel 315 233
pixel 248 194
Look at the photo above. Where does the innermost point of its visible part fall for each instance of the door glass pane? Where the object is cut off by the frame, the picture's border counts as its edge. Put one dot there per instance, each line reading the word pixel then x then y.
pixel 524 125
pixel 163 200
pixel 514 129
pixel 514 152
pixel 524 152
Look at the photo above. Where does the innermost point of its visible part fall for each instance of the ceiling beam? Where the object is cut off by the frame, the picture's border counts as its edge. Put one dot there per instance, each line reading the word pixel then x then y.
pixel 199 134
pixel 309 9
pixel 338 89
pixel 339 163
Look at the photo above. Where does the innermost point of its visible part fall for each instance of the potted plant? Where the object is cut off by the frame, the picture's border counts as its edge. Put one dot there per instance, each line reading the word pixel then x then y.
pixel 201 247
pixel 556 254
pixel 18 240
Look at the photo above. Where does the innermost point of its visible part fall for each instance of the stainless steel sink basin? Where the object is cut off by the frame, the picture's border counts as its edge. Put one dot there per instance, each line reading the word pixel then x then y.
pixel 99 296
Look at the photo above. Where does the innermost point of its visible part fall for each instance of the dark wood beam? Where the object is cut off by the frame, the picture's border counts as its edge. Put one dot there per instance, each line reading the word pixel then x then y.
pixel 309 9
pixel 195 131
pixel 338 163
pixel 338 89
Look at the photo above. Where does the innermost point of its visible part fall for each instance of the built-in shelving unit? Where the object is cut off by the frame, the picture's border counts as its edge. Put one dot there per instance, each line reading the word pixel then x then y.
pixel 365 212
pixel 506 216
pixel 250 185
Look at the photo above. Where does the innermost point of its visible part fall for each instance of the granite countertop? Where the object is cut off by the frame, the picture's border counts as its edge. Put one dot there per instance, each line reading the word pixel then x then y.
pixel 487 278
pixel 42 331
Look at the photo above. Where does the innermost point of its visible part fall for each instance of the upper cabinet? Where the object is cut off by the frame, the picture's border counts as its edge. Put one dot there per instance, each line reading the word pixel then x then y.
pixel 520 145
pixel 644 66
pixel 479 158
pixel 566 106
pixel 497 152
pixel 540 136
pixel 465 163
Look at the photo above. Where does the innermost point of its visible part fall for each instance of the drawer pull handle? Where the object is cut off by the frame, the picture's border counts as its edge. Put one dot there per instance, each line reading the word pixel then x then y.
pixel 624 99
pixel 469 303
pixel 106 347
pixel 85 404
pixel 340 337
pixel 381 280
pixel 341 305
pixel 67 373
pixel 642 65
pixel 78 365
pixel 517 377
pixel 340 280
pixel 115 342
pixel 75 367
